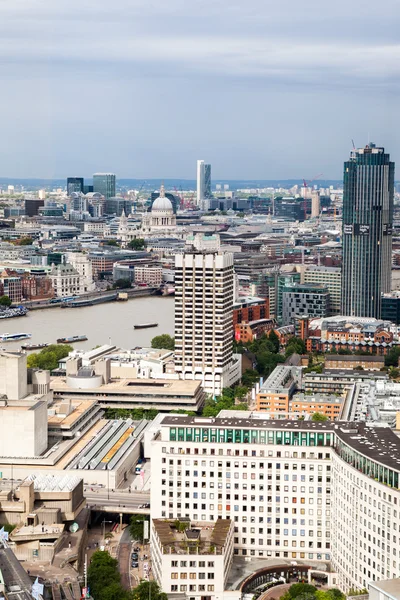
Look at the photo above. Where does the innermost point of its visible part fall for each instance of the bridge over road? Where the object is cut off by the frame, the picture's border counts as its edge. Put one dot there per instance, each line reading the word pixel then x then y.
pixel 121 501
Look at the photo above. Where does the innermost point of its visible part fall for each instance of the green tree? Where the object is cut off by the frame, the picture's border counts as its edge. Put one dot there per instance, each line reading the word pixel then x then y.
pixel 336 594
pixel 136 527
pixel 5 301
pixel 47 359
pixel 163 341
pixel 148 589
pixel 295 345
pixel 249 378
pixel 319 417
pixel 274 338
pixel 122 284
pixel 392 357
pixel 297 589
pixel 25 241
pixel 114 591
pixel 104 578
pixel 137 414
pixel 112 243
pixel 240 392
pixel 136 244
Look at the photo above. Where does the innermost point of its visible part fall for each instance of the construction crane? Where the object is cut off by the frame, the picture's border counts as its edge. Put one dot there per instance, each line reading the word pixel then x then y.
pixel 180 196
pixel 137 196
pixel 305 186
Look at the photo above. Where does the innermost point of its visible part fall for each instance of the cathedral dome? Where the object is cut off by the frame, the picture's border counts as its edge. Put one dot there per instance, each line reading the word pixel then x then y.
pixel 162 203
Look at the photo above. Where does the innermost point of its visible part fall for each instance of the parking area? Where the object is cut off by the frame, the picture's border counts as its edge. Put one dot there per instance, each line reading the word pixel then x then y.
pixel 140 563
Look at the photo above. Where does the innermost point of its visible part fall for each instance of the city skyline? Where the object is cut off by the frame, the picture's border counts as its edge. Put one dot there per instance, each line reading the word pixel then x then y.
pixel 241 85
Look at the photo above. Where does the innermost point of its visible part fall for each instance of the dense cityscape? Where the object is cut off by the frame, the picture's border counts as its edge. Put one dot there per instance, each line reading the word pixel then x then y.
pixel 200 388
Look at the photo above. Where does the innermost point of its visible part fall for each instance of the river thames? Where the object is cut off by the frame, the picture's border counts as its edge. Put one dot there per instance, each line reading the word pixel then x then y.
pixel 102 323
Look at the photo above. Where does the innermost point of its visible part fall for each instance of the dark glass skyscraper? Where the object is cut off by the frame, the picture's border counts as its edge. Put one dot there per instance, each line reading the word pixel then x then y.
pixel 367 231
pixel 104 184
pixel 75 184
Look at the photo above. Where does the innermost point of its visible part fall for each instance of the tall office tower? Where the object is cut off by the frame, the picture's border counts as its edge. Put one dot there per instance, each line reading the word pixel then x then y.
pixel 75 184
pixel 204 319
pixel 203 184
pixel 200 182
pixel 315 204
pixel 367 231
pixel 207 181
pixel 104 184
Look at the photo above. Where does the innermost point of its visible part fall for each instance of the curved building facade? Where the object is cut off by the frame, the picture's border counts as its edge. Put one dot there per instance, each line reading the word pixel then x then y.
pixel 314 493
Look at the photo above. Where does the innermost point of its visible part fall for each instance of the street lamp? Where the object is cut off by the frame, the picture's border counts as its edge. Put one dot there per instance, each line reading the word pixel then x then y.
pixel 104 529
pixel 108 482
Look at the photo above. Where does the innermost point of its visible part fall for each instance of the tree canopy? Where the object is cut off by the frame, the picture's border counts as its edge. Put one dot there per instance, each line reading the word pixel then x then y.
pixel 148 589
pixel 295 345
pixel 104 578
pixel 136 527
pixel 47 359
pixel 163 342
pixel 25 241
pixel 306 591
pixel 122 284
pixel 392 357
pixel 319 417
pixel 136 244
pixel 5 301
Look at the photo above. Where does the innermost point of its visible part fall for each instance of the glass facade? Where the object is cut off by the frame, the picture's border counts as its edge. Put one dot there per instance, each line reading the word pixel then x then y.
pixel 104 184
pixel 75 185
pixel 207 181
pixel 251 436
pixel 367 231
pixel 367 466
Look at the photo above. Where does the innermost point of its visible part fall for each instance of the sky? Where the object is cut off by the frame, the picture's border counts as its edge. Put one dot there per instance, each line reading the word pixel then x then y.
pixel 262 89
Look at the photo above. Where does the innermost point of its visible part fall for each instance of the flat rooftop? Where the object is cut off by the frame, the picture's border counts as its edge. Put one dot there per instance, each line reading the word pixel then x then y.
pixel 388 586
pixel 204 536
pixel 78 408
pixel 132 387
pixel 380 444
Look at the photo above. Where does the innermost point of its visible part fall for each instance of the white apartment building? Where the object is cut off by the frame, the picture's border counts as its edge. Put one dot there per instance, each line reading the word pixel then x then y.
pixel 67 281
pixel 195 561
pixel 203 319
pixel 152 275
pixel 331 277
pixel 296 490
pixel 83 265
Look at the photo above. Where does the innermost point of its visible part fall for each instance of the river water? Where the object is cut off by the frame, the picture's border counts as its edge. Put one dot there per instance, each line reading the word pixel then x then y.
pixel 100 323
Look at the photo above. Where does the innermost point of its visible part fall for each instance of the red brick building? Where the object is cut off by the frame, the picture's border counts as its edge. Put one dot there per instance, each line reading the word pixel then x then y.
pixel 250 308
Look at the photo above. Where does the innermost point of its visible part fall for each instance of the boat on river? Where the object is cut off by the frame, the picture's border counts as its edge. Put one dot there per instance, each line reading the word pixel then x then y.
pixel 9 313
pixel 33 346
pixel 72 339
pixel 144 325
pixel 14 337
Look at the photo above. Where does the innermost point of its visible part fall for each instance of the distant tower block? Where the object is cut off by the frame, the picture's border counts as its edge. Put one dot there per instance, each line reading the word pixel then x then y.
pixel 315 204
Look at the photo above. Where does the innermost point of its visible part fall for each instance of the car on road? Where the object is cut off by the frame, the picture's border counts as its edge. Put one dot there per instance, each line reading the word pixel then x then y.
pixel 134 564
pixel 134 556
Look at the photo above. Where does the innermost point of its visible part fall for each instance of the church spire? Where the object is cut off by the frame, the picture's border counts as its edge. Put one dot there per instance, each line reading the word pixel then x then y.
pixel 162 191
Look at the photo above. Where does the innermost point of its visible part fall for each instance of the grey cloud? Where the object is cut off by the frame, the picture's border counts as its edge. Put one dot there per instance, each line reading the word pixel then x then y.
pixel 242 82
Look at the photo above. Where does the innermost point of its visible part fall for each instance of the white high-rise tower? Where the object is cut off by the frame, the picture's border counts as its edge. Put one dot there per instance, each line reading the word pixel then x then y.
pixel 203 319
